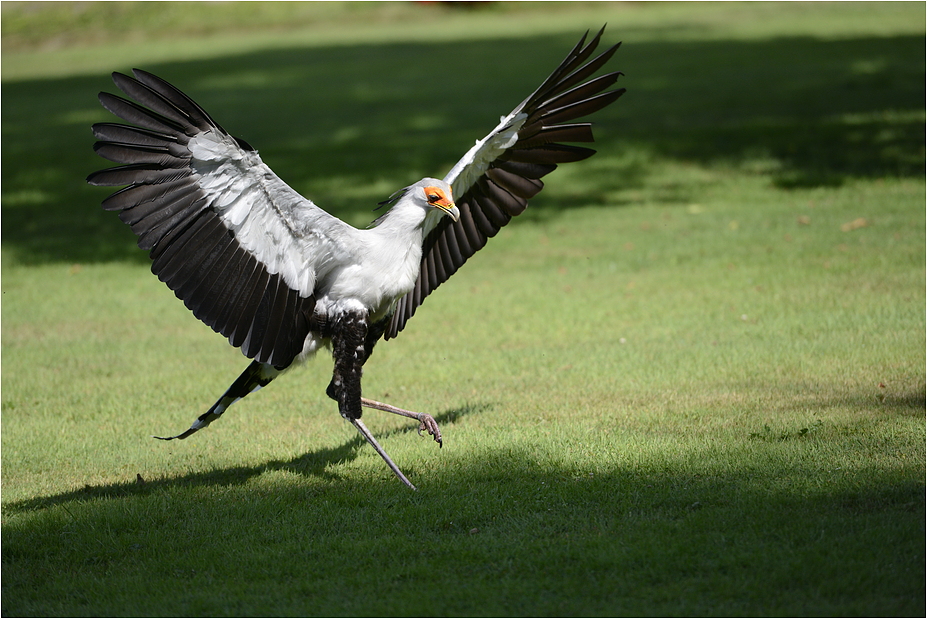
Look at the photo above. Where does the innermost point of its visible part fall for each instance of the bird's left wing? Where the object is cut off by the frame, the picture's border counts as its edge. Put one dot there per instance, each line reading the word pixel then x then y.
pixel 494 180
pixel 241 248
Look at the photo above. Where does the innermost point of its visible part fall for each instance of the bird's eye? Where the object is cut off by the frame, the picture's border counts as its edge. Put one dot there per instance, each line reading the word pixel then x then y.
pixel 433 197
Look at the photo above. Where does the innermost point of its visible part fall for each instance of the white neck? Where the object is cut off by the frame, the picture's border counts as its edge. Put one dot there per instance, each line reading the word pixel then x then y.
pixel 388 260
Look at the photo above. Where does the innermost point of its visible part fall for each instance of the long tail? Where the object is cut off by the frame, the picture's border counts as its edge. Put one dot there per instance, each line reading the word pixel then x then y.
pixel 257 375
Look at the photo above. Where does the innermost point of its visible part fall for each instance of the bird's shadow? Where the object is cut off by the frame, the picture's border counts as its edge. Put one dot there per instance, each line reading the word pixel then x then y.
pixel 314 463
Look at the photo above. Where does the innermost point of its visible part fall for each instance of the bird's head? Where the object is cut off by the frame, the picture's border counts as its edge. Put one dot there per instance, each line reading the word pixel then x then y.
pixel 432 193
pixel 420 205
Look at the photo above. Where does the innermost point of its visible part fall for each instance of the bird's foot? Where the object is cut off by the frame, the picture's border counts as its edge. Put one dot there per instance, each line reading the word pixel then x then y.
pixel 426 421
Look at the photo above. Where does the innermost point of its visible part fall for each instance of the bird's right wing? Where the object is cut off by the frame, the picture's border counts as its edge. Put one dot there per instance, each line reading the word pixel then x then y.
pixel 241 248
pixel 494 180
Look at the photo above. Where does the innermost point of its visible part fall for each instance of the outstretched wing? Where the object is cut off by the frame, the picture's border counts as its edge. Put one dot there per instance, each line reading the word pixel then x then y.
pixel 494 180
pixel 234 242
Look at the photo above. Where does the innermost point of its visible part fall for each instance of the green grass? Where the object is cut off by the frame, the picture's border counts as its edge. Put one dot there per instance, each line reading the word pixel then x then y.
pixel 689 380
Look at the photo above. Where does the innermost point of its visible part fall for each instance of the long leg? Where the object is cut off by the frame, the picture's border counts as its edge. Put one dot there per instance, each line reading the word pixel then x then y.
pixel 349 348
pixel 427 421
pixel 373 443
pixel 256 375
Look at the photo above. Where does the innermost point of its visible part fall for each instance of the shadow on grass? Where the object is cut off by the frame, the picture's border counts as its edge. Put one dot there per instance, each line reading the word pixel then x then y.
pixel 508 531
pixel 348 125
pixel 310 464
pixel 497 466
pixel 732 527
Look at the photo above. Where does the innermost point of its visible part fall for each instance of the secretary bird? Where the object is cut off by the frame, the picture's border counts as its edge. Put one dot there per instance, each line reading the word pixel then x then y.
pixel 280 277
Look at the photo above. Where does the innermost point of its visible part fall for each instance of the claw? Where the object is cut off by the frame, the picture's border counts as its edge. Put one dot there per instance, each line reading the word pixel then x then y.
pixel 428 423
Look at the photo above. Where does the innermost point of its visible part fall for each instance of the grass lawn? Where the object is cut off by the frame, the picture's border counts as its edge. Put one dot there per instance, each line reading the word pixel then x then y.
pixel 689 380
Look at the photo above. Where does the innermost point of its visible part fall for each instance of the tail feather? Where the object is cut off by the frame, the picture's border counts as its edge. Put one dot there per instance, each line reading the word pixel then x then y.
pixel 257 375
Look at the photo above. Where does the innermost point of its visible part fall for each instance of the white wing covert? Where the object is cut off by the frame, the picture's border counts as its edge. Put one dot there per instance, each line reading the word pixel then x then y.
pixel 241 248
pixel 495 179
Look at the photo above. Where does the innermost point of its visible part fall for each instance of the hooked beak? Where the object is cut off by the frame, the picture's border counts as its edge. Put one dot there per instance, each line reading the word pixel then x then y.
pixel 450 209
pixel 440 198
